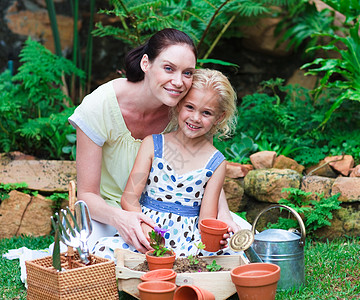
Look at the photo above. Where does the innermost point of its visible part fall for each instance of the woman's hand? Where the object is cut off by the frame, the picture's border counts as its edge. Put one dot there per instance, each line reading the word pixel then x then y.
pixel 146 230
pixel 129 225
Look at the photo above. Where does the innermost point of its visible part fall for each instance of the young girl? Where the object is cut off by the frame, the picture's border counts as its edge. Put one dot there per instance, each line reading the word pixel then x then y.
pixel 178 176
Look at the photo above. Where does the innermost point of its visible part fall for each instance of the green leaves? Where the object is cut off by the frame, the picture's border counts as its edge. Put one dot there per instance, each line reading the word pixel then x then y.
pixel 33 106
pixel 341 74
pixel 206 21
pixel 316 213
pixel 213 267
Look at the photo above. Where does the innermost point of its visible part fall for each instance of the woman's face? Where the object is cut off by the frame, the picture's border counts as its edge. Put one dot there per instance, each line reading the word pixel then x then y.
pixel 169 76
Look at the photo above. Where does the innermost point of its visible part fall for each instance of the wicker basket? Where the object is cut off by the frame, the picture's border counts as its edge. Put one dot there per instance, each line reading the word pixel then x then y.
pixel 96 281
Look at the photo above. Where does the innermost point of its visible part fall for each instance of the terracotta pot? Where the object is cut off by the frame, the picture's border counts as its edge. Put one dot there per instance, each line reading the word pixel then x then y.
pixel 159 262
pixel 193 292
pixel 160 274
pixel 156 290
pixel 256 281
pixel 212 231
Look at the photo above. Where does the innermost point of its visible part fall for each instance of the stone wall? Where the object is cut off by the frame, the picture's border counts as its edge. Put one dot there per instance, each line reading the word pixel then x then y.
pixel 268 175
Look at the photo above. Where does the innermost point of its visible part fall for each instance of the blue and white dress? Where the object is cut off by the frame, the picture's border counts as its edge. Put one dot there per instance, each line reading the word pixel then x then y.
pixel 173 201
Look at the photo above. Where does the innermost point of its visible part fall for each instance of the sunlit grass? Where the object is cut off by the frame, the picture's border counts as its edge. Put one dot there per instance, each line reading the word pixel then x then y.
pixel 332 270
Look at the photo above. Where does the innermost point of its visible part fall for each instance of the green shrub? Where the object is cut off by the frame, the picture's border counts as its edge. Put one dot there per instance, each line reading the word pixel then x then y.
pixel 316 213
pixel 33 107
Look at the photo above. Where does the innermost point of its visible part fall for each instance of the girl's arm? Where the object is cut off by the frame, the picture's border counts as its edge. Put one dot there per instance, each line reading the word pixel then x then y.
pixel 138 176
pixel 209 203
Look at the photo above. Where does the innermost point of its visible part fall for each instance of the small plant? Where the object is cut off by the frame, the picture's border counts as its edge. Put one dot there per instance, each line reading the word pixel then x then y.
pixel 6 188
pixel 242 149
pixel 193 259
pixel 213 267
pixel 316 213
pixel 57 199
pixel 157 241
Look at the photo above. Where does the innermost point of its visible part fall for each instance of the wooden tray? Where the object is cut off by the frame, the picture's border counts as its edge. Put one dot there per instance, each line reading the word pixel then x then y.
pixel 219 283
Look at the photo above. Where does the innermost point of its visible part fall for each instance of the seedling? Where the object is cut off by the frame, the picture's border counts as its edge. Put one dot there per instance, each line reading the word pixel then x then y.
pixel 213 267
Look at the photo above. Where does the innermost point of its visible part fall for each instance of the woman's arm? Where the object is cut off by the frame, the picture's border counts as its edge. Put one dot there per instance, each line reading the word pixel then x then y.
pixel 88 164
pixel 209 203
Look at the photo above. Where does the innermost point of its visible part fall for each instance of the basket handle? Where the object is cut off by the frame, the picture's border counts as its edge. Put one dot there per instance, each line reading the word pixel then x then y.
pixel 297 216
pixel 72 200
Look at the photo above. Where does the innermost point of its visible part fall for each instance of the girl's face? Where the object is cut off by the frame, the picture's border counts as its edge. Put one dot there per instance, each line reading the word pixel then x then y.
pixel 199 112
pixel 169 76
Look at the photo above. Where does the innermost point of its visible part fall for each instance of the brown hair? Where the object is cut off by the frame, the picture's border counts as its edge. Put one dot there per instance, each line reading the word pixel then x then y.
pixel 153 47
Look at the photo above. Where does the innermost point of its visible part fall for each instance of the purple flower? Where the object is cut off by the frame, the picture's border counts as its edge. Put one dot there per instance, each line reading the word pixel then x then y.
pixel 160 230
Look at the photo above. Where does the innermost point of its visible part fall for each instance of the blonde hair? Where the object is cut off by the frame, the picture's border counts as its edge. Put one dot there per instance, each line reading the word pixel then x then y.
pixel 217 81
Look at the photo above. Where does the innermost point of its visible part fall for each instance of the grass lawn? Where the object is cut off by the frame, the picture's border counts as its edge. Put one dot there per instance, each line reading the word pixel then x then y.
pixel 332 270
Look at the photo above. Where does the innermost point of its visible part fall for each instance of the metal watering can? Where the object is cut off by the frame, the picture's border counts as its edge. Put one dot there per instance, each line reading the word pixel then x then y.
pixel 283 248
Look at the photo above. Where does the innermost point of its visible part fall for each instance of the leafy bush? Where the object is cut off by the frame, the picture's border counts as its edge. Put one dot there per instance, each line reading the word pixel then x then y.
pixel 316 213
pixel 286 119
pixel 34 109
pixel 205 21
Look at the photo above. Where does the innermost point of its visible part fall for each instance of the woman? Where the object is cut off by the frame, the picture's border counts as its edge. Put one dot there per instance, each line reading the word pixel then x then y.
pixel 112 121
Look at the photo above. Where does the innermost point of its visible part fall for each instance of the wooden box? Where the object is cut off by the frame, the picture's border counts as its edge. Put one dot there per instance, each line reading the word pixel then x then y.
pixel 219 283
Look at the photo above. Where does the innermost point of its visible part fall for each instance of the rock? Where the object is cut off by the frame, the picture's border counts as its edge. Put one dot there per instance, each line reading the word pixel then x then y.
pixel 283 162
pixel 345 222
pixel 41 175
pixel 322 169
pixel 298 77
pixel 36 24
pixel 266 185
pixel 236 170
pixel 25 214
pixel 317 184
pixel 234 194
pixel 260 38
pixel 355 172
pixel 348 187
pixel 263 159
pixel 341 164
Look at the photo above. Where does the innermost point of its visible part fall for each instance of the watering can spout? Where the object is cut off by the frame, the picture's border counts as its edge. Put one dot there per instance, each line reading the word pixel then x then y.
pixel 252 255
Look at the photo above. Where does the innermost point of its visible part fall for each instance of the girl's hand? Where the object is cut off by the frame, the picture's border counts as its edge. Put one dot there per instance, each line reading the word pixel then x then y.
pixel 233 227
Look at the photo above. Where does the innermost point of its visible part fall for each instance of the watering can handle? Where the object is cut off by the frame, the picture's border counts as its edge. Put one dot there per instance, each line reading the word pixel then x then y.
pixel 297 216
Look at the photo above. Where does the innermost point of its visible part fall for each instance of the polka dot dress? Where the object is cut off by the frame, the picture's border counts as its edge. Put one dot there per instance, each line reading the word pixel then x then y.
pixel 173 201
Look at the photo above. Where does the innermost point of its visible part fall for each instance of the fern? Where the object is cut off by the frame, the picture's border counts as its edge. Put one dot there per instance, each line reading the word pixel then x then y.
pixel 316 213
pixel 206 21
pixel 33 107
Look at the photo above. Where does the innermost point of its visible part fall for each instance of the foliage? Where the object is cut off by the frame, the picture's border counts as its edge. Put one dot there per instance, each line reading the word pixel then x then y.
pixel 157 241
pixel 241 149
pixel 213 267
pixel 206 21
pixel 33 106
pixel 81 62
pixel 317 213
pixel 286 119
pixel 341 74
pixel 58 199
pixel 193 259
pixel 6 188
pixel 300 21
